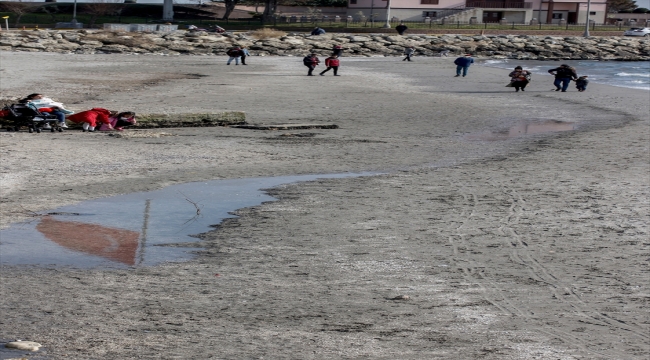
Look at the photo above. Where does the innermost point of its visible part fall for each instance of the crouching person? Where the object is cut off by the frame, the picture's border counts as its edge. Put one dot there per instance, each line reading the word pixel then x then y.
pixel 90 119
pixel 125 119
pixel 119 121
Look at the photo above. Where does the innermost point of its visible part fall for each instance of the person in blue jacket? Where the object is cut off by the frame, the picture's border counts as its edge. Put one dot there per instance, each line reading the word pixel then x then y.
pixel 317 31
pixel 462 64
pixel 244 53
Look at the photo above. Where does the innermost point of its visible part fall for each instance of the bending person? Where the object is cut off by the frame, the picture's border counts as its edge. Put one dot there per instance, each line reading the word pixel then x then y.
pixel 89 119
pixel 120 121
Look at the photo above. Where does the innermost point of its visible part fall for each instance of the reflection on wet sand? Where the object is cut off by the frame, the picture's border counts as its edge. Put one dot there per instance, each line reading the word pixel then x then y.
pixel 110 243
pixel 524 128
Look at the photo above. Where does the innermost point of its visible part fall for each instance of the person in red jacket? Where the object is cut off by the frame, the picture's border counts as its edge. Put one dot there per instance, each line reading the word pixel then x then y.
pixel 331 62
pixel 91 118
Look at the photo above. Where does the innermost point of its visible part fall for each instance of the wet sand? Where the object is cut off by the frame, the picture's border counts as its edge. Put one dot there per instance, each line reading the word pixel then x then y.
pixel 468 246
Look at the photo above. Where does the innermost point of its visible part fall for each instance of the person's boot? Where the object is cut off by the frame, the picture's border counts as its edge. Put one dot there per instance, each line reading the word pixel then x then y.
pixel 321 74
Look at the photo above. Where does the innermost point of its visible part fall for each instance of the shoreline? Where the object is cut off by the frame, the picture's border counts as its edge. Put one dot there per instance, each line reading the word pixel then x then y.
pixel 464 249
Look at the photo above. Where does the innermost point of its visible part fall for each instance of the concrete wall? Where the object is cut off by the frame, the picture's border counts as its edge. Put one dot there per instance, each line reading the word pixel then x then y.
pixel 598 18
pixel 641 19
pixel 416 14
pixel 518 17
pixel 412 10
pixel 405 4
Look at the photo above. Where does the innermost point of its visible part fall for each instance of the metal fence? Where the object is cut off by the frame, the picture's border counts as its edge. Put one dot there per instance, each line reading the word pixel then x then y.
pixel 378 24
pixel 364 25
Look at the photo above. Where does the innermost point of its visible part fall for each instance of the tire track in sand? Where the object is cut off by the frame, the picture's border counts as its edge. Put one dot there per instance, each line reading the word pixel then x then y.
pixel 527 258
pixel 477 273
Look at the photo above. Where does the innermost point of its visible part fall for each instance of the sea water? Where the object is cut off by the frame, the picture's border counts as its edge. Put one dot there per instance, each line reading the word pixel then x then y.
pixel 629 74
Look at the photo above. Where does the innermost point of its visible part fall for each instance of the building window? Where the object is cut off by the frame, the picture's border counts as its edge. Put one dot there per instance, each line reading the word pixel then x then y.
pixel 592 13
pixel 353 2
pixel 429 2
pixel 430 14
pixel 558 16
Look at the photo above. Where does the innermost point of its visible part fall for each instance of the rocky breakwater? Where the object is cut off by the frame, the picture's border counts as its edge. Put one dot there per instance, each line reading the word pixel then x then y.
pixel 298 44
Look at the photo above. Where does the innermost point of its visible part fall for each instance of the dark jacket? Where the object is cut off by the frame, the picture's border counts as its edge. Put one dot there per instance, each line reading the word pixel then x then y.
pixel 564 73
pixel 337 50
pixel 318 31
pixel 401 28
pixel 308 60
pixel 582 82
pixel 464 61
pixel 235 52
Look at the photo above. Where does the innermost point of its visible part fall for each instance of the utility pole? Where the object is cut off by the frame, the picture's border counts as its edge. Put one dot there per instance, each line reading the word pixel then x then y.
pixel 387 26
pixel 587 25
pixel 74 14
pixel 168 10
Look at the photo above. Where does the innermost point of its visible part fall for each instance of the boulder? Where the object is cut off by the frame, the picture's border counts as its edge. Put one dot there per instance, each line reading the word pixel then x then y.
pixel 358 39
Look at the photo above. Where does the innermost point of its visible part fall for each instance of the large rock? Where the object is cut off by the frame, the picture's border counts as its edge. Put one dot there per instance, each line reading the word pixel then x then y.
pixel 357 39
pixel 32 45
pixel 114 48
pixel 297 44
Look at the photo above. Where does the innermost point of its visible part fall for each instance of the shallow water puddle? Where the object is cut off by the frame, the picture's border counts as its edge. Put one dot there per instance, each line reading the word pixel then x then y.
pixel 522 129
pixel 128 230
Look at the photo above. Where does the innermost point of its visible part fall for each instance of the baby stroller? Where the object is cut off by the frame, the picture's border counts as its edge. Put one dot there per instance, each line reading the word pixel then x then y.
pixel 26 115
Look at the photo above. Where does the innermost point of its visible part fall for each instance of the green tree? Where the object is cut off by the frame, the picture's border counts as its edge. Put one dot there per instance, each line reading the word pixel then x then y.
pixel 615 6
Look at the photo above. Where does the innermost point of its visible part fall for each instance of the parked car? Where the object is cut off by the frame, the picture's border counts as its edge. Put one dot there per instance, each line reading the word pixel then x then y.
pixel 638 32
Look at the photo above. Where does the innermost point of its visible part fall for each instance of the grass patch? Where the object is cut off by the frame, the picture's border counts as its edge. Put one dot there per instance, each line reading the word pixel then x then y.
pixel 226 118
pixel 267 33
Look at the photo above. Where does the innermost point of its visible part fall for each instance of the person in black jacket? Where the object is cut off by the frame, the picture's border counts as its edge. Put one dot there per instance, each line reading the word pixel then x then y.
pixel 581 83
pixel 337 50
pixel 401 28
pixel 563 76
pixel 310 61
pixel 233 54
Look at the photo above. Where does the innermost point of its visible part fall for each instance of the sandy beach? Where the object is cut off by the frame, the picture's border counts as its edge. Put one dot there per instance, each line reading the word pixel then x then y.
pixel 474 241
